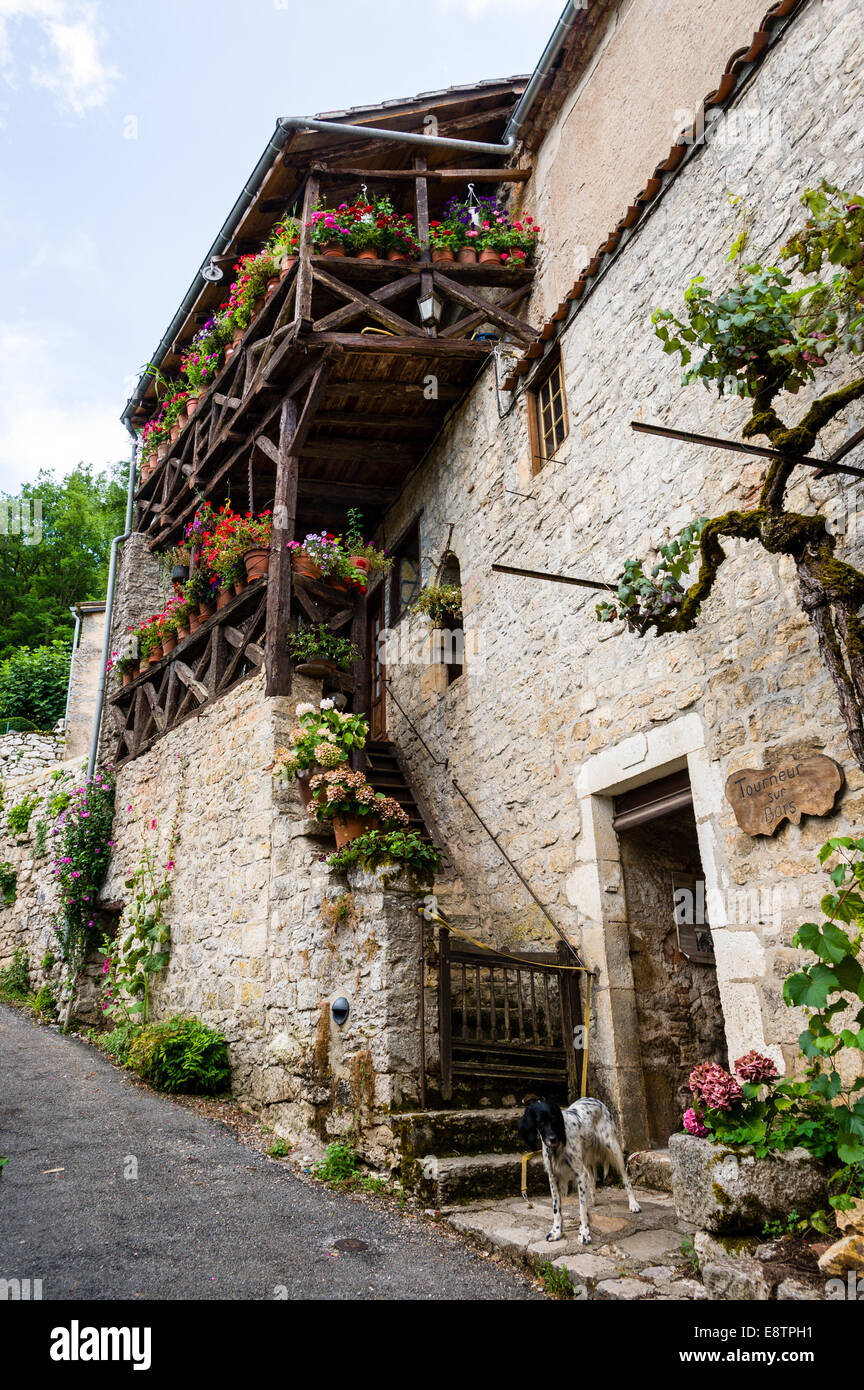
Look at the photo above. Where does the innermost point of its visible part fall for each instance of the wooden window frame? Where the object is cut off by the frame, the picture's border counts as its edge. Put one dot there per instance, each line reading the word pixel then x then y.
pixel 538 437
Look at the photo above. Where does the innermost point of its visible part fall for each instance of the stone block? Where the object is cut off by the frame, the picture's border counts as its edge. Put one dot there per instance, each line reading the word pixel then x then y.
pixel 726 1190
pixel 736 1280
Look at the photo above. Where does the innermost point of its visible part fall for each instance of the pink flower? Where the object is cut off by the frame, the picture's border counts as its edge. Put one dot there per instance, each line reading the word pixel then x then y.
pixel 694 1125
pixel 714 1086
pixel 756 1068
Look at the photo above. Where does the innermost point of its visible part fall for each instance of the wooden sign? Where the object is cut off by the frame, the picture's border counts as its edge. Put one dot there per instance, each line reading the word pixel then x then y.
pixel 761 799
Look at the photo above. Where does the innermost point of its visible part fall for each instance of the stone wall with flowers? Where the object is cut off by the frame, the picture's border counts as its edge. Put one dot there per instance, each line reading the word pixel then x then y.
pixel 555 712
pixel 264 936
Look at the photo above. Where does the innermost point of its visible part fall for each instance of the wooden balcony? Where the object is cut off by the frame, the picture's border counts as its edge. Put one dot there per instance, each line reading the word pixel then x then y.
pixel 331 400
pixel 220 654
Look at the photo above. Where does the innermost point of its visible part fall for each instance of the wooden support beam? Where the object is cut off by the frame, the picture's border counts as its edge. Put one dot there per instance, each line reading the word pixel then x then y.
pixel 346 494
pixel 823 465
pixel 279 578
pixel 332 175
pixel 392 390
pixel 365 303
pixel 356 308
pixel 361 451
pixel 187 676
pixel 419 346
pixel 470 299
pixel 303 301
pixel 472 321
pixel 555 578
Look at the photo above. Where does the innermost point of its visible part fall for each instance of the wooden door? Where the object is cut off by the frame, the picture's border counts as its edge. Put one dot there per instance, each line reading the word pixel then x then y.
pixel 377 670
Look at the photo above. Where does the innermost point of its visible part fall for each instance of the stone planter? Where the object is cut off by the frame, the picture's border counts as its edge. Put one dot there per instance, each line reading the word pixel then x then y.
pixel 727 1190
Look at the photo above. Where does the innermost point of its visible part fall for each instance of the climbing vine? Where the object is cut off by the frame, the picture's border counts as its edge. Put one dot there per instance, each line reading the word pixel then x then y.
pixel 81 853
pixel 142 948
pixel 758 340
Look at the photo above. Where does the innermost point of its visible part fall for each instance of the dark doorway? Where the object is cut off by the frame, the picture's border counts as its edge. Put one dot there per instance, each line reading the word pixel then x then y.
pixel 678 1005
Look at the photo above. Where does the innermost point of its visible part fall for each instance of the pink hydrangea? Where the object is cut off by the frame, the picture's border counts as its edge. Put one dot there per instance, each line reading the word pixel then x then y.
pixel 694 1125
pixel 756 1068
pixel 714 1086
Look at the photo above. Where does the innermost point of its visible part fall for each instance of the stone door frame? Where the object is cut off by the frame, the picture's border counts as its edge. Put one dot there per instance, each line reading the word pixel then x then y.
pixel 596 890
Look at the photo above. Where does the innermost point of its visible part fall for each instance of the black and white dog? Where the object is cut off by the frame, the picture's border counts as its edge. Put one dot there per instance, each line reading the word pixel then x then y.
pixel 578 1145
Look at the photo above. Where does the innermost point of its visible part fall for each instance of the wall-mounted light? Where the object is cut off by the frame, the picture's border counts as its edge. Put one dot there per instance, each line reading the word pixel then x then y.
pixel 430 307
pixel 212 271
pixel 340 1009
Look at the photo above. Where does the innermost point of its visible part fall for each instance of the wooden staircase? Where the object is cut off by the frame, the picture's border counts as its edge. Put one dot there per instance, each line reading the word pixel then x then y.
pixel 384 772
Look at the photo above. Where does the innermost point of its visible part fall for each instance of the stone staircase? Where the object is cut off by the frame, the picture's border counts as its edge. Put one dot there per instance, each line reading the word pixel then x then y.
pixel 383 771
pixel 455 1156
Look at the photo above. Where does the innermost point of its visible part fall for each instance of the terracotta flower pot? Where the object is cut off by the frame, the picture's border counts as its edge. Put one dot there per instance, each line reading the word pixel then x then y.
pixel 489 257
pixel 144 666
pixel 394 255
pixel 347 828
pixel 257 561
pixel 174 432
pixel 126 677
pixel 194 620
pixel 230 349
pixel 136 670
pixel 162 452
pixel 333 582
pixel 333 248
pixel 359 562
pixel 301 563
pixel 272 284
pixel 156 654
pixel 237 335
pixel 467 255
pixel 168 644
pixel 369 253
pixel 225 595
pixel 303 786
pixel 239 586
pixel 442 253
pixel 287 263
pixel 192 406
pixel 206 610
pixel 183 632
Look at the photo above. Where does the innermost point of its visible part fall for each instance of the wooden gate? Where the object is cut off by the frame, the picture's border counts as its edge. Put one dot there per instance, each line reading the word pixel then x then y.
pixel 510 1016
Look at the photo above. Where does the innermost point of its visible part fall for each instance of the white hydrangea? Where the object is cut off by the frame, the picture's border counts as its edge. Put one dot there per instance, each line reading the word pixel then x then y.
pixel 326 704
pixel 305 709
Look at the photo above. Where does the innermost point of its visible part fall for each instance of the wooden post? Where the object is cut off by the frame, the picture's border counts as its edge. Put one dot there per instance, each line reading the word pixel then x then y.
pixel 360 637
pixel 445 1018
pixel 303 298
pixel 278 664
pixel 421 205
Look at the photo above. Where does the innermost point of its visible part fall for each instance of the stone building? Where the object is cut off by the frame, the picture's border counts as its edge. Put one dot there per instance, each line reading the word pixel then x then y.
pixel 573 772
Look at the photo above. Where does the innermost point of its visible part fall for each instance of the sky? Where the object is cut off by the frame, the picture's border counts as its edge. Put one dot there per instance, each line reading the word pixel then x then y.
pixel 127 130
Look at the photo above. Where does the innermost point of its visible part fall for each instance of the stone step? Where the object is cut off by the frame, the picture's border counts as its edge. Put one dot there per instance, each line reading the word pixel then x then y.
pixel 454 1133
pixel 650 1168
pixel 472 1177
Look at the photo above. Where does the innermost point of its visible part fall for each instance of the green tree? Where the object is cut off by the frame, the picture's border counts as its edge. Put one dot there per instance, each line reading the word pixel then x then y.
pixel 33 684
pixel 42 575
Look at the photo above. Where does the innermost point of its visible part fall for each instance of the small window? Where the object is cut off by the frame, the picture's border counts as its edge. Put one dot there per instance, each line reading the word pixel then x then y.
pixel 548 418
pixel 405 575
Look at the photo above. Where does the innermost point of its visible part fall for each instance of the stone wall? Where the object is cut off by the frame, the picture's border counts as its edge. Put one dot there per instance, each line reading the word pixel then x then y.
pixel 556 713
pixel 28 923
pixel 23 754
pixel 264 936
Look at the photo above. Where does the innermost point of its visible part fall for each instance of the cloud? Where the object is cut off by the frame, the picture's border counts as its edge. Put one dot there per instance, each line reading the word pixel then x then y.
pixel 68 60
pixel 39 427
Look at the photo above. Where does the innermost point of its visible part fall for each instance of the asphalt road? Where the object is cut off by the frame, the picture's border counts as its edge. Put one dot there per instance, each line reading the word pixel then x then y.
pixel 206 1217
